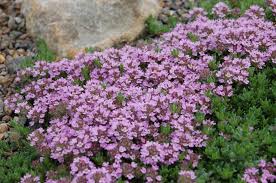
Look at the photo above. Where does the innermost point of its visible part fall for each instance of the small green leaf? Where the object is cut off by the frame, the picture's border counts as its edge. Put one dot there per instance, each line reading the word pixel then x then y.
pixel 155 27
pixel 120 181
pixel 43 52
pixel 199 117
pixel 85 71
pixel 97 63
pixel 182 156
pixel 122 69
pixel 98 159
pixel 213 65
pixel 166 130
pixel 175 53
pixel 211 79
pixel 226 173
pixel 272 148
pixel 172 21
pixel 89 50
pixel 175 108
pixel 120 98
pixel 78 82
pixel 192 37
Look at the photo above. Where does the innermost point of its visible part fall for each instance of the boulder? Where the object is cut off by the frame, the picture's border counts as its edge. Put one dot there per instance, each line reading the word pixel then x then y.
pixel 70 26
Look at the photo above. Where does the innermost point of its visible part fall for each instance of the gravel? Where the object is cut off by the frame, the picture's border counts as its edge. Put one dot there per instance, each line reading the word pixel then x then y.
pixel 15 44
pixel 176 8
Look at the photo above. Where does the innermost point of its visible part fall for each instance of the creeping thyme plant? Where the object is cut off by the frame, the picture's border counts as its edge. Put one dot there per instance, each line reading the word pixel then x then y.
pixel 170 111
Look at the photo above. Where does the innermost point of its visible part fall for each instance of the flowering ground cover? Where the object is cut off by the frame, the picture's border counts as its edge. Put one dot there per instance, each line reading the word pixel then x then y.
pixel 198 104
pixel 244 133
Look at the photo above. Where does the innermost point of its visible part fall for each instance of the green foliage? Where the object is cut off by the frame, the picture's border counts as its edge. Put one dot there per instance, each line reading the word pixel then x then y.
pixel 89 50
pixel 199 117
pixel 166 130
pixel 182 156
pixel 16 155
pixel 78 82
pixel 243 5
pixel 245 130
pixel 192 37
pixel 121 69
pixel 120 181
pixel 209 4
pixel 175 108
pixel 85 71
pixel 172 21
pixel 213 65
pixel 43 54
pixel 18 158
pixel 98 159
pixel 270 15
pixel 155 27
pixel 27 62
pixel 97 63
pixel 175 53
pixel 169 173
pixel 120 98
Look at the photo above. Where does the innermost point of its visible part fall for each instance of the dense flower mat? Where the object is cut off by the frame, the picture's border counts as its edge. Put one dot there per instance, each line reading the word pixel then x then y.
pixel 142 107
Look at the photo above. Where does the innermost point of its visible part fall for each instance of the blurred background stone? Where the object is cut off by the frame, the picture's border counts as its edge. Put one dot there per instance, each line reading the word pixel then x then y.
pixel 70 26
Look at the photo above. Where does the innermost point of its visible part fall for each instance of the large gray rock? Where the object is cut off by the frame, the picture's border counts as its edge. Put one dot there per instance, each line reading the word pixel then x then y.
pixel 69 26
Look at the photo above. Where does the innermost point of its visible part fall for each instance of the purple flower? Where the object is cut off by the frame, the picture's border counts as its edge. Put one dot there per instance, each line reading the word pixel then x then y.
pixel 28 178
pixel 220 10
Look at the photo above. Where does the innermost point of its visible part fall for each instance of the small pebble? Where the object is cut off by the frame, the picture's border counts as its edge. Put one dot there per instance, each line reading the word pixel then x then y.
pixel 11 23
pixel 2 135
pixel 4 127
pixel 6 118
pixel 4 80
pixel 18 20
pixel 7 110
pixel 2 59
pixel 2 67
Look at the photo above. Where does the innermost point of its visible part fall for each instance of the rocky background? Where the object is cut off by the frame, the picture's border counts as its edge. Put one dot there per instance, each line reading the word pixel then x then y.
pixel 16 44
pixel 176 8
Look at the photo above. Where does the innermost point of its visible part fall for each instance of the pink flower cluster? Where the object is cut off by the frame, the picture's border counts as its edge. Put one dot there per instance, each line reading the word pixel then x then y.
pixel 196 13
pixel 255 11
pixel 221 10
pixel 264 173
pixel 234 70
pixel 28 178
pixel 186 176
pixel 138 105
